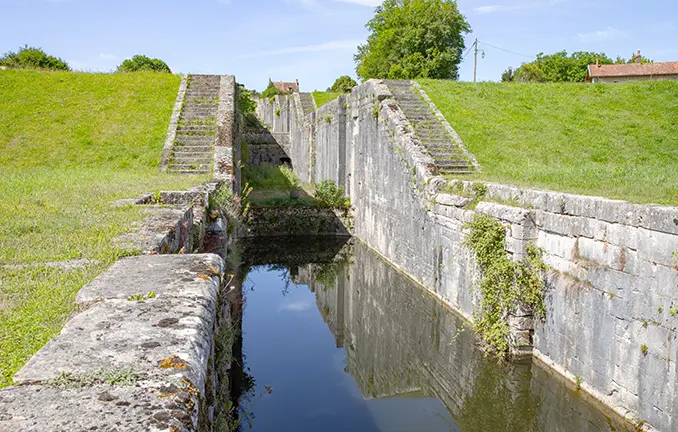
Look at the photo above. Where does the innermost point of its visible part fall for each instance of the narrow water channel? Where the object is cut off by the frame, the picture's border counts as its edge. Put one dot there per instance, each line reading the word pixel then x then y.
pixel 344 342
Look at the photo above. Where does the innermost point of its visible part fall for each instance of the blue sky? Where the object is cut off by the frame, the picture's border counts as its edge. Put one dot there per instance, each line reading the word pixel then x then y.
pixel 314 40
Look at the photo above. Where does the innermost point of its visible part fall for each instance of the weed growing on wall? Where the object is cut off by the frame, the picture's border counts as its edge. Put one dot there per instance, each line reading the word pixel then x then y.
pixel 328 194
pixel 505 284
pixel 236 207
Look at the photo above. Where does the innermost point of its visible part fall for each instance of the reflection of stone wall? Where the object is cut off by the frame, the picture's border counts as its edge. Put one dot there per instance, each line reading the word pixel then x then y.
pixel 401 341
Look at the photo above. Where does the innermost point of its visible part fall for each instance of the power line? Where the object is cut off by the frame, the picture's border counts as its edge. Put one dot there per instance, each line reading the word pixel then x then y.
pixel 469 50
pixel 505 50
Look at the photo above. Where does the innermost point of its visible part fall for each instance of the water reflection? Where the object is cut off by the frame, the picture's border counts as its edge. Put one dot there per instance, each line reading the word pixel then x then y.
pixel 395 358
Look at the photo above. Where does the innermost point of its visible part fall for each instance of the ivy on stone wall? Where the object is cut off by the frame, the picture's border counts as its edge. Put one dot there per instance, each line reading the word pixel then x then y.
pixel 505 285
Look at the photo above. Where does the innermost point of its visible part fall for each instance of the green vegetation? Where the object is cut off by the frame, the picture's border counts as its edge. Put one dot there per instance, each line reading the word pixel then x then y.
pixel 271 92
pixel 343 84
pixel 413 39
pixel 328 194
pixel 323 98
pixel 558 67
pixel 270 177
pixel 32 58
pixel 505 284
pixel 141 63
pixel 70 144
pixel 618 141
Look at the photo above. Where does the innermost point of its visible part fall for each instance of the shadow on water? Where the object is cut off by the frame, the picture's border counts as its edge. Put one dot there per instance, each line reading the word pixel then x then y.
pixel 395 358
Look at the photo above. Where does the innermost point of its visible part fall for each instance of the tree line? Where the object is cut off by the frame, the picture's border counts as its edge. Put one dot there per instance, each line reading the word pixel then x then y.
pixel 35 58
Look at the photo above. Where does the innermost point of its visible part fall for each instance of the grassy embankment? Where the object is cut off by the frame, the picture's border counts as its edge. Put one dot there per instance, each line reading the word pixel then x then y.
pixel 70 144
pixel 323 98
pixel 613 140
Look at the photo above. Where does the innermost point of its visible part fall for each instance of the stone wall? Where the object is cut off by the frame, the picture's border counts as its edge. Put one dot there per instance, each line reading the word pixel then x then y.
pixel 612 299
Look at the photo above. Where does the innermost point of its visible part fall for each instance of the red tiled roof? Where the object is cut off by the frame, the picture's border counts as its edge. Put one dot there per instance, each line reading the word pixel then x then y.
pixel 622 70
pixel 287 87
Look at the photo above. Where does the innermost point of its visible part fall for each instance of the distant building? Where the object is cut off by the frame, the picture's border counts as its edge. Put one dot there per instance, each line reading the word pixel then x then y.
pixel 287 87
pixel 632 72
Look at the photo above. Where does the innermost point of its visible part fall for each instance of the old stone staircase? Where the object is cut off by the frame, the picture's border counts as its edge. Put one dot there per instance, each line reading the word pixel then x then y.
pixel 193 148
pixel 448 156
pixel 307 104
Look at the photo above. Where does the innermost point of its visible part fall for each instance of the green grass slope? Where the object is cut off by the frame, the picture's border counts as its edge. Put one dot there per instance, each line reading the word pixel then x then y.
pixel 323 98
pixel 70 144
pixel 614 140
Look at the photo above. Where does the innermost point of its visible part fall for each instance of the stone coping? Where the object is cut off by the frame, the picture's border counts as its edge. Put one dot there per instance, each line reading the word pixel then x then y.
pixel 152 317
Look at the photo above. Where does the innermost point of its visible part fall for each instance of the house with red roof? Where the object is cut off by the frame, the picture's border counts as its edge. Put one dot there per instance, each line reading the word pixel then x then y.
pixel 287 87
pixel 599 73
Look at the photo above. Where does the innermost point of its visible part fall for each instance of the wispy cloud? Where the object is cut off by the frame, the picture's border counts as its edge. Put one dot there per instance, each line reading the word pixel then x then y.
pixel 108 57
pixel 608 34
pixel 327 46
pixel 295 307
pixel 495 8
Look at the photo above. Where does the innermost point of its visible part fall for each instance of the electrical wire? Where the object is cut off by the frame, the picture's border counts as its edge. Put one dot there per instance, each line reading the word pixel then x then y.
pixel 505 50
pixel 469 50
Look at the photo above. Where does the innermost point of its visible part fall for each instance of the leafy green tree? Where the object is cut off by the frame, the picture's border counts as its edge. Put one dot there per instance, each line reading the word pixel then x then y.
pixel 32 58
pixel 271 91
pixel 142 63
pixel 559 67
pixel 508 75
pixel 343 84
pixel 643 60
pixel 412 39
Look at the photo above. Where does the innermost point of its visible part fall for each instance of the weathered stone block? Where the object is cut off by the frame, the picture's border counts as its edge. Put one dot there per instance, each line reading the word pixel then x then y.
pixel 452 200
pixel 103 407
pixel 179 276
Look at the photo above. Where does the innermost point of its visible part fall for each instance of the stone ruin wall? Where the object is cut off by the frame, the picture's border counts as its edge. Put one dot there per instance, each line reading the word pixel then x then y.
pixel 612 293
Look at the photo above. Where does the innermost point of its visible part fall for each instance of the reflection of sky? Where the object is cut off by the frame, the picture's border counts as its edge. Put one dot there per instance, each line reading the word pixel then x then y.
pixel 289 347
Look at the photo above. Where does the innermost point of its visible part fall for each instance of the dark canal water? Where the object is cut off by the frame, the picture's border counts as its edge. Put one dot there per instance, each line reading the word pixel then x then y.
pixel 347 343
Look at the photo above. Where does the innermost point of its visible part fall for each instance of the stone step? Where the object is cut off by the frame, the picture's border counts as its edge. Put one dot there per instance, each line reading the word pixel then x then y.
pixel 185 160
pixel 196 130
pixel 452 164
pixel 194 140
pixel 446 154
pixel 181 166
pixel 191 149
pixel 198 121
pixel 209 110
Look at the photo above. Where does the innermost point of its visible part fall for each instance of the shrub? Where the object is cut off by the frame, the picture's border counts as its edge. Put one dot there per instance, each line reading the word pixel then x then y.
pixel 32 58
pixel 142 63
pixel 343 84
pixel 328 194
pixel 271 91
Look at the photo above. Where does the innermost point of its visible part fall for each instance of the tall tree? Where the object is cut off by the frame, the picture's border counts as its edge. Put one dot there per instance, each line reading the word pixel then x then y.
pixel 413 39
pixel 32 58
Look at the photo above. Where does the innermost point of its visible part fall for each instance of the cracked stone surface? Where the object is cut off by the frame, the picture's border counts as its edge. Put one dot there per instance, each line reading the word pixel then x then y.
pixel 165 341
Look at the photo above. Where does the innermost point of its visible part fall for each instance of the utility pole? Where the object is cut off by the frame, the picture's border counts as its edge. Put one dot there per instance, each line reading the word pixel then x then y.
pixel 475 60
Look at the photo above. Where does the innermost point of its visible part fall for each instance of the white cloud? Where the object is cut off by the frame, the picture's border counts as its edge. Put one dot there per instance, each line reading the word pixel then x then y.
pixel 295 307
pixel 327 46
pixel 108 57
pixel 488 9
pixel 609 34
